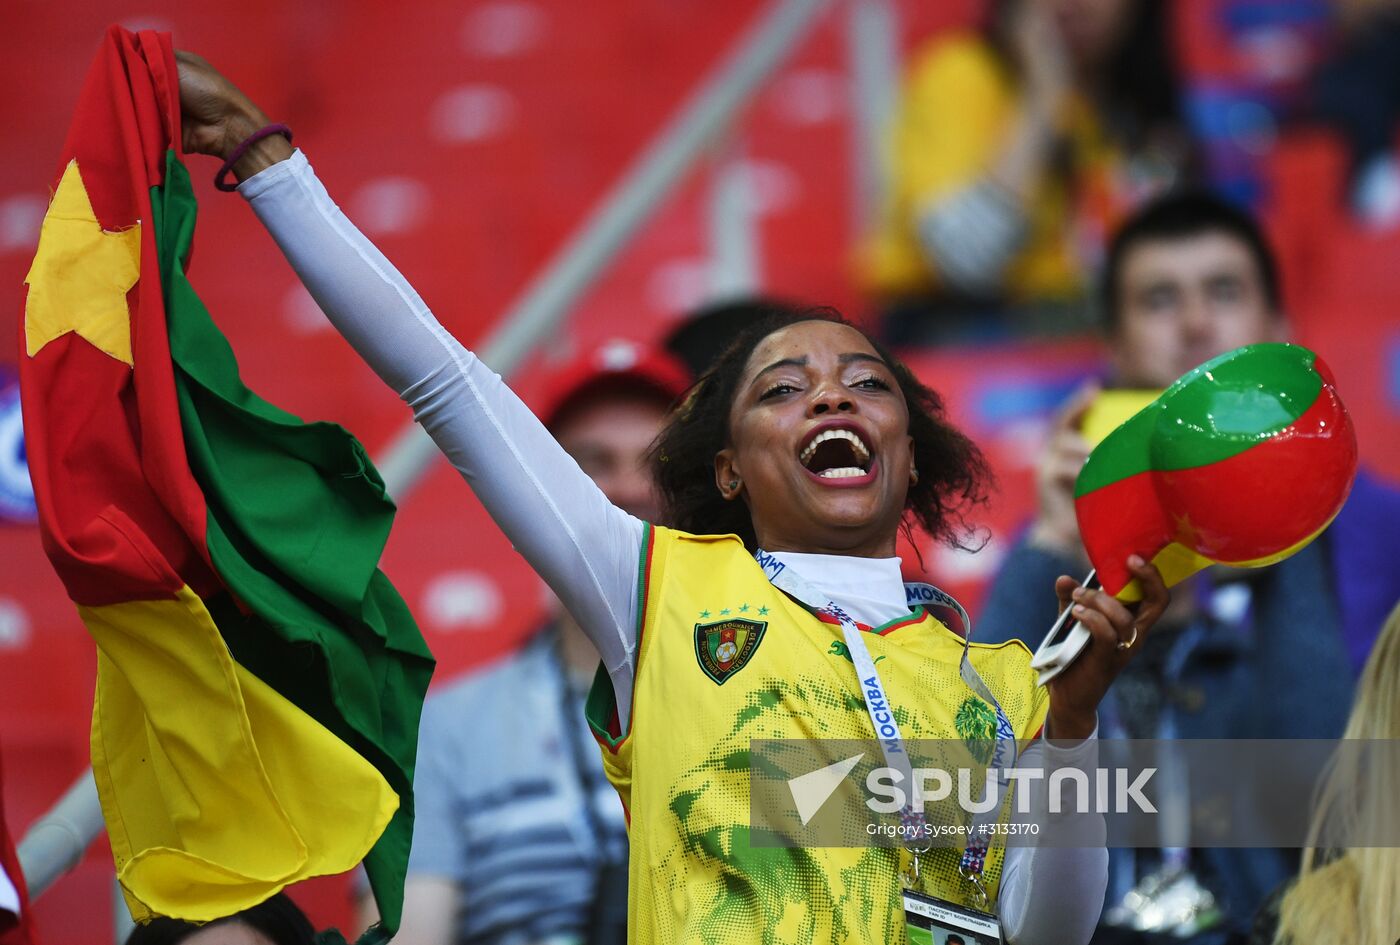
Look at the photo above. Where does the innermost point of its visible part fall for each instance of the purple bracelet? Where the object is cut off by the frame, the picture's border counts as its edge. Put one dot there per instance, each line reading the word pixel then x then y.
pixel 266 131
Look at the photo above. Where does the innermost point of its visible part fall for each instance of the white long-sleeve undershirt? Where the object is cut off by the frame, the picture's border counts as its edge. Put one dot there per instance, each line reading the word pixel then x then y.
pixel 585 548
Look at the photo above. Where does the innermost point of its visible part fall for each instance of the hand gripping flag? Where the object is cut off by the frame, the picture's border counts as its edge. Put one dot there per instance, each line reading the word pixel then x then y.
pixel 259 679
pixel 1242 461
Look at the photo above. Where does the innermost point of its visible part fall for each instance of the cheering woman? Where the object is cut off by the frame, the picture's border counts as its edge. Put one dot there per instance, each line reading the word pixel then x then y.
pixel 772 607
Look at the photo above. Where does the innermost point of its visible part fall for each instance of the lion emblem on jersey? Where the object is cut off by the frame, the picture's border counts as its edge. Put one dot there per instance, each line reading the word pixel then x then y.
pixel 726 647
pixel 977 726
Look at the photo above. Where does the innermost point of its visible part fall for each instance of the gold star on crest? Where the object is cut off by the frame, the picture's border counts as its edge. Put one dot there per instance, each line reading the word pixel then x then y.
pixel 80 275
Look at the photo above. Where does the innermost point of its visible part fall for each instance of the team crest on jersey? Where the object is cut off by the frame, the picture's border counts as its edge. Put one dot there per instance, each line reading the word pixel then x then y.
pixel 725 647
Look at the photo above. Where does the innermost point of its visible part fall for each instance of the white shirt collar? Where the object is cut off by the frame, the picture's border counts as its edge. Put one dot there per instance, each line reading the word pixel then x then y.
pixel 869 589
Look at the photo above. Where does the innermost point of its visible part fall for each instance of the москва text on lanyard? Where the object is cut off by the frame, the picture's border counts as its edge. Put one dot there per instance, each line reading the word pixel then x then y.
pixel 881 712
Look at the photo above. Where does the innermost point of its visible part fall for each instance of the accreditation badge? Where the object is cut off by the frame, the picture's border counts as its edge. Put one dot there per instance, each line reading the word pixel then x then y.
pixel 930 921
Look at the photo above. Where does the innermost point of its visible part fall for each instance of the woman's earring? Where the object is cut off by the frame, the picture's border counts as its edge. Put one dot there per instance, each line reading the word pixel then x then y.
pixel 913 477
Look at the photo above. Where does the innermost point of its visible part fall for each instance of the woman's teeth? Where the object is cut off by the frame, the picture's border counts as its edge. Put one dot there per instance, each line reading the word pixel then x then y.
pixel 844 472
pixel 862 453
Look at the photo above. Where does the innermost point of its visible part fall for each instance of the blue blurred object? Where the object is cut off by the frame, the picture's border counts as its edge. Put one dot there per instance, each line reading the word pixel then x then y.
pixel 1236 126
pixel 1011 400
pixel 16 491
pixel 1260 54
pixel 1244 16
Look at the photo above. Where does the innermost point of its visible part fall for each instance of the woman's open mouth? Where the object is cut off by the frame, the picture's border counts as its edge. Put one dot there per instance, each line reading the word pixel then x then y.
pixel 838 455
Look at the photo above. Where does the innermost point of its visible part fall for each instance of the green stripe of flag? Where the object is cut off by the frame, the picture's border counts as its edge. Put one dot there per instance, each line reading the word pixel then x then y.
pixel 1194 425
pixel 298 518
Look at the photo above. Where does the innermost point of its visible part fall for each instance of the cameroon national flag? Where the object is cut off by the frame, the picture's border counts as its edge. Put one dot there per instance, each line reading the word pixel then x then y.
pixel 259 679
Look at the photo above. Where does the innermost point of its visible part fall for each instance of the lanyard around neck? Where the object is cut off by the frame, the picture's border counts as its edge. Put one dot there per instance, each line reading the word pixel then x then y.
pixel 881 712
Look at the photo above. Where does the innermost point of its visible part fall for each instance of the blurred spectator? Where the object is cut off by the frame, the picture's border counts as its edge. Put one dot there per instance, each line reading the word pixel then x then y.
pixel 518 837
pixel 1359 93
pixel 1246 67
pixel 1241 652
pixel 1016 151
pixel 1349 887
pixel 275 921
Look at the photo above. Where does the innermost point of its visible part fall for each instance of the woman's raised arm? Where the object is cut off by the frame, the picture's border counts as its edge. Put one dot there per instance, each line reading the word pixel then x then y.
pixel 585 548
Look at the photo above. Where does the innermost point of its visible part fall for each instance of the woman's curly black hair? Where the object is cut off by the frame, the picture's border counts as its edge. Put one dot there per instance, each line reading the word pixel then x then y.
pixel 953 474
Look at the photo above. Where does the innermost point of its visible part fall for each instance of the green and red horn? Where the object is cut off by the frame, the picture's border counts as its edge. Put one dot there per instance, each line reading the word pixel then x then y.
pixel 1242 461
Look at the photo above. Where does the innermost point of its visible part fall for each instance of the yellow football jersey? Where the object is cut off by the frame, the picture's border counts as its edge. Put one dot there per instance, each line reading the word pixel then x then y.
pixel 723 658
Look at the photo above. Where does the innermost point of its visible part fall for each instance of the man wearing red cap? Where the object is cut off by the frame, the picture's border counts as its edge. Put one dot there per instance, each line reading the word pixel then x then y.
pixel 518 836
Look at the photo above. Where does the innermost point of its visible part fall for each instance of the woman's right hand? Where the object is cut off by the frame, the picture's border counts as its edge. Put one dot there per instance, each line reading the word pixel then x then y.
pixel 1056 526
pixel 1040 51
pixel 1045 75
pixel 217 118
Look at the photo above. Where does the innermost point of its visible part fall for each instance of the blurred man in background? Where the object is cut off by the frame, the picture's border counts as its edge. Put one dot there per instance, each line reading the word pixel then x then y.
pixel 1267 653
pixel 518 837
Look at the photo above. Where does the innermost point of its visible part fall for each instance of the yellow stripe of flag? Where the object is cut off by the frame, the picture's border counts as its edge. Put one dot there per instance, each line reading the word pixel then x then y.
pixel 179 726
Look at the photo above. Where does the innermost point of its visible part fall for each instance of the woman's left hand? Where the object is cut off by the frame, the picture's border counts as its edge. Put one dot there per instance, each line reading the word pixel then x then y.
pixel 215 118
pixel 1117 633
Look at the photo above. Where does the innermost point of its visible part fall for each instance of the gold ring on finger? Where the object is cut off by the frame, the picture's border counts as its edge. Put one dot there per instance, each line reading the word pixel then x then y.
pixel 1128 643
